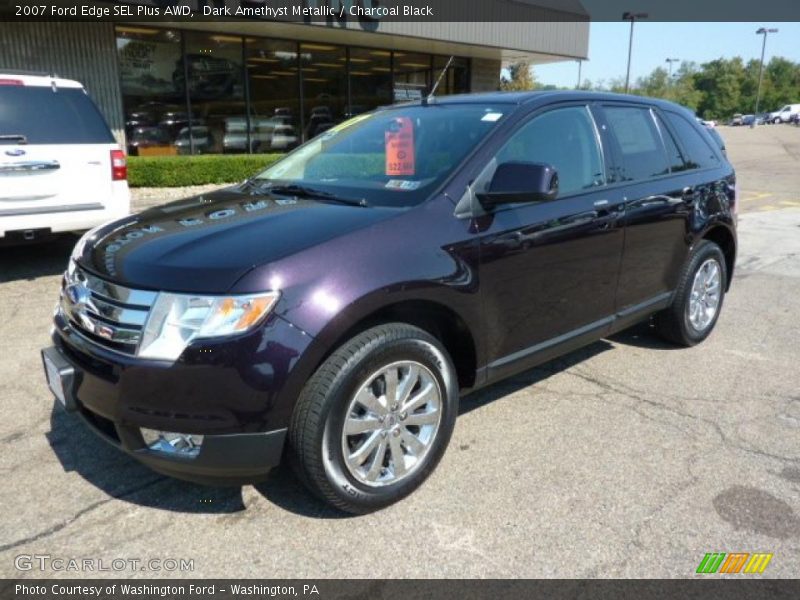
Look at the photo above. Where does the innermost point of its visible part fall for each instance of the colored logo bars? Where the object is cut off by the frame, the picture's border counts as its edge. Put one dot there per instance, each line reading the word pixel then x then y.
pixel 737 562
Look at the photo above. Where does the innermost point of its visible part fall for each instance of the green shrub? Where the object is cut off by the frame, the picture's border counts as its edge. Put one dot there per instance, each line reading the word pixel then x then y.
pixel 179 171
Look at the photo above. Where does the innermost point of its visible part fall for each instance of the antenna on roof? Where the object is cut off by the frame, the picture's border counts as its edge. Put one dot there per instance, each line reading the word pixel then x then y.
pixel 429 97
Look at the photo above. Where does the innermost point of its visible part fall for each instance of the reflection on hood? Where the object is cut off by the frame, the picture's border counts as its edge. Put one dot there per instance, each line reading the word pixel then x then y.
pixel 206 243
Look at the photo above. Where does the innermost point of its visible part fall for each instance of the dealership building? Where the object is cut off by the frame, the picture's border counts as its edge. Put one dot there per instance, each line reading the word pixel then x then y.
pixel 262 85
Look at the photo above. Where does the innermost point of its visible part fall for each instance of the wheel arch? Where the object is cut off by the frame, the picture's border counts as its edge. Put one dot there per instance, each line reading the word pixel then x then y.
pixel 439 320
pixel 723 237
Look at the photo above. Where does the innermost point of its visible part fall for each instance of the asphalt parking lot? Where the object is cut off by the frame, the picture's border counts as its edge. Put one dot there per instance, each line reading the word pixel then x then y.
pixel 628 458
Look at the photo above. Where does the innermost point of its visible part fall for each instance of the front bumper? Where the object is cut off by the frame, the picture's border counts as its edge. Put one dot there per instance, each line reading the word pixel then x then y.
pixel 230 392
pixel 225 458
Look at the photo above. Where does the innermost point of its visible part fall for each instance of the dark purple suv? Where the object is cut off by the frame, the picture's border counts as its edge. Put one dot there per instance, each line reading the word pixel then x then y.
pixel 333 308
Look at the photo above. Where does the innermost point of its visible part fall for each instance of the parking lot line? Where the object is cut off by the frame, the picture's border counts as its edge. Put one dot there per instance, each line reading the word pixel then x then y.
pixel 755 196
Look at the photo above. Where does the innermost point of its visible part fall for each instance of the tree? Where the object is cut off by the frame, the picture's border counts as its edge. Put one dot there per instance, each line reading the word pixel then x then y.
pixel 782 83
pixel 721 83
pixel 617 85
pixel 520 78
pixel 657 84
pixel 683 89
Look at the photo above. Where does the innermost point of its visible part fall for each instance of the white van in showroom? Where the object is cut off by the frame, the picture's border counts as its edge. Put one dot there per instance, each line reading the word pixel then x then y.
pixel 60 167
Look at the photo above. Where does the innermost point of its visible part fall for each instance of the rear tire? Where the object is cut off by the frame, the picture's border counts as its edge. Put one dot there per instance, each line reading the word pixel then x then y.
pixel 698 300
pixel 396 383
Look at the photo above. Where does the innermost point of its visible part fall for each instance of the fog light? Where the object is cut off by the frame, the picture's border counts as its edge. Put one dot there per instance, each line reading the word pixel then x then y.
pixel 170 442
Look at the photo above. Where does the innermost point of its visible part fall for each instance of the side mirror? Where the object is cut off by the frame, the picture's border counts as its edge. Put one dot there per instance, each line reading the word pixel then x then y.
pixel 520 182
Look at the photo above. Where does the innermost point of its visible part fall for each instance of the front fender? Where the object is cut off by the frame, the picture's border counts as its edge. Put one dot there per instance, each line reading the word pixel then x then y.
pixel 327 290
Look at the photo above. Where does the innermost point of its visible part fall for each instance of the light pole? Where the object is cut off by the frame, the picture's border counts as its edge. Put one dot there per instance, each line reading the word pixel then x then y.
pixel 761 31
pixel 670 61
pixel 580 64
pixel 632 17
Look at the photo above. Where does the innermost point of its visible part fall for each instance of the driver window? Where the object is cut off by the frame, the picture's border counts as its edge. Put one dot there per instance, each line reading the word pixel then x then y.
pixel 565 138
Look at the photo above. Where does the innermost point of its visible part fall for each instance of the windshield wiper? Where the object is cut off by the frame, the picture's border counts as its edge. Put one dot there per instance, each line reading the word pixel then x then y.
pixel 302 191
pixel 14 137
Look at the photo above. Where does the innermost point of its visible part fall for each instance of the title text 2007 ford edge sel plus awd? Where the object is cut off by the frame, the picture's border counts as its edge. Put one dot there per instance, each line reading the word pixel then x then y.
pixel 332 308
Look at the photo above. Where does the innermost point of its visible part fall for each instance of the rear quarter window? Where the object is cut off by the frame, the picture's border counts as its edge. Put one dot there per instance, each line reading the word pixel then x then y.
pixel 700 154
pixel 44 116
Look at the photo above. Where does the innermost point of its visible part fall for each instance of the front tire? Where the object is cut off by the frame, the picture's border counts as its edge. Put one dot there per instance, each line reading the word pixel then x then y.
pixel 698 299
pixel 375 419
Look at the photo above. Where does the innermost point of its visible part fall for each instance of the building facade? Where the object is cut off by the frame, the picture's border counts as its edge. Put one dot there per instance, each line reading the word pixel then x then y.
pixel 265 86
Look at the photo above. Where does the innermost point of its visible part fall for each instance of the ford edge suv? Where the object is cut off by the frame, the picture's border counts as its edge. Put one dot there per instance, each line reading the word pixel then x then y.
pixel 332 309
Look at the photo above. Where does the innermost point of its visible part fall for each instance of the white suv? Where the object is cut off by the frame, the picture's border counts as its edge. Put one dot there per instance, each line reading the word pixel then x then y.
pixel 60 167
pixel 785 114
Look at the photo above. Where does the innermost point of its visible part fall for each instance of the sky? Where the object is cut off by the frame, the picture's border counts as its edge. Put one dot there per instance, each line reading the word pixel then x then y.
pixel 653 42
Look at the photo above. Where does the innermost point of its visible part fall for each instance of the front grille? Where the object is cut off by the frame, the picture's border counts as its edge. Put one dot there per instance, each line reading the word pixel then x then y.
pixel 105 313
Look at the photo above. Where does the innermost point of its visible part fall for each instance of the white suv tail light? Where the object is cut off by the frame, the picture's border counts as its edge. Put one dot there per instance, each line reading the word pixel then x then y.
pixel 119 166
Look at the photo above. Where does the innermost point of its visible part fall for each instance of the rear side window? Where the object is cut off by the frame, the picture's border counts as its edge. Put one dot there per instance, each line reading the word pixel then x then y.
pixel 639 142
pixel 699 151
pixel 42 116
pixel 674 156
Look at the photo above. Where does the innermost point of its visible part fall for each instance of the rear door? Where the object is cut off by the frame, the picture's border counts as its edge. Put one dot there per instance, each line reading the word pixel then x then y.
pixel 55 150
pixel 657 206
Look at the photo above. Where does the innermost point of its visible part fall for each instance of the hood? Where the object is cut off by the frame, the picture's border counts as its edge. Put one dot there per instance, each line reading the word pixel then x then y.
pixel 204 244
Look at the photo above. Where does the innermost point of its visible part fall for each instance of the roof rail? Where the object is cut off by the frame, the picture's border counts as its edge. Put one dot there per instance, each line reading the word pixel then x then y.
pixel 28 72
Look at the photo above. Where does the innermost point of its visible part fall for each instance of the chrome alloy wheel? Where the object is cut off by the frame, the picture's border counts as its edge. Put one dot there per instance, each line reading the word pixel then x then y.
pixel 705 295
pixel 391 423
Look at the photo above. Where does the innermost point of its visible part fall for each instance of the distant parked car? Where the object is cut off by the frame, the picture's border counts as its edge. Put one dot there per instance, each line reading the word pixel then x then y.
pixel 784 114
pixel 283 138
pixel 705 123
pixel 147 137
pixel 174 121
pixel 751 119
pixel 261 132
pixel 736 120
pixel 138 119
pixel 201 140
pixel 60 167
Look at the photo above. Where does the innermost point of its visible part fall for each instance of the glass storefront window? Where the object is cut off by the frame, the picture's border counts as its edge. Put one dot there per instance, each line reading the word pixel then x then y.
pixel 456 81
pixel 274 97
pixel 412 76
pixel 148 60
pixel 324 87
pixel 230 93
pixel 214 77
pixel 370 79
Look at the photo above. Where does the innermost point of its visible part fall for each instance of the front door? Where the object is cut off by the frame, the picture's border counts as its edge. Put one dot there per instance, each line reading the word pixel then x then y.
pixel 549 270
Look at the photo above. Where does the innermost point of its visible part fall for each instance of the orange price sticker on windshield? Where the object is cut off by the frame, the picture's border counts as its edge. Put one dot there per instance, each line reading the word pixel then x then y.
pixel 400 147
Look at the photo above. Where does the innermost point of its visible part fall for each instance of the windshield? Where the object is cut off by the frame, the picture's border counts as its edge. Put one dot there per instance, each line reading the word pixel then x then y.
pixel 394 157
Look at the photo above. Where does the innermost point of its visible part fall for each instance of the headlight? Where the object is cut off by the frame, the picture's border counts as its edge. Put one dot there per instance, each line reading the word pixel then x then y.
pixel 177 319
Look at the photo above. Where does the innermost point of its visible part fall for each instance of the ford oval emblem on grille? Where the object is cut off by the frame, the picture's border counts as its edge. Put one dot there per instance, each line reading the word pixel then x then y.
pixel 78 294
pixel 15 152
